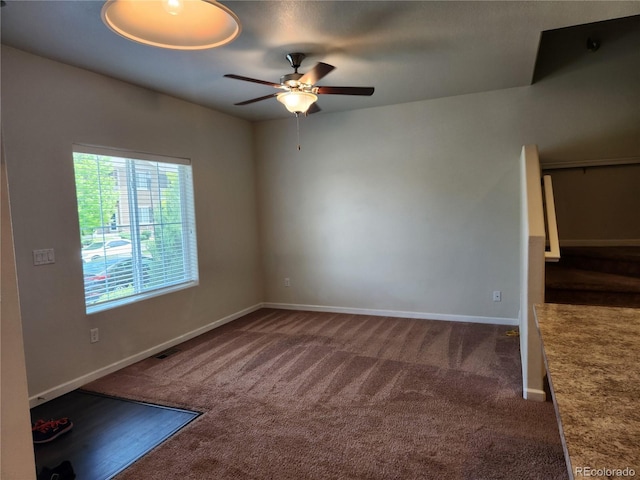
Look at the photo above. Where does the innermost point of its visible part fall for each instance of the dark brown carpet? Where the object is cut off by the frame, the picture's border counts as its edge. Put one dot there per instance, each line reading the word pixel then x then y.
pixel 301 395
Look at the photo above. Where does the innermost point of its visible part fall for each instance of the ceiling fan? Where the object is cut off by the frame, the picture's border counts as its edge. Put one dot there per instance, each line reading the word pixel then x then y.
pixel 299 90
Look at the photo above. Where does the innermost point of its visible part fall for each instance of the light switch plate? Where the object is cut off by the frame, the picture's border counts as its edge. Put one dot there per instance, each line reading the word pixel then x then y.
pixel 44 256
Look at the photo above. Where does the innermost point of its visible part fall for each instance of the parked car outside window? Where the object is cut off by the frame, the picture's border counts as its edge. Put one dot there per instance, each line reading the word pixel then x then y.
pixel 104 276
pixel 116 247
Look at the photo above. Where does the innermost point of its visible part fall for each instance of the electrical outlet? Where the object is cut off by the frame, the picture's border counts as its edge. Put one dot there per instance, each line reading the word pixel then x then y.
pixel 497 296
pixel 94 335
pixel 287 282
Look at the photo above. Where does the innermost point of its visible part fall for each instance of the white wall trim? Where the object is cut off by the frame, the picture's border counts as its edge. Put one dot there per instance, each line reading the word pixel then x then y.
pixel 622 242
pixel 395 313
pixel 535 395
pixel 71 385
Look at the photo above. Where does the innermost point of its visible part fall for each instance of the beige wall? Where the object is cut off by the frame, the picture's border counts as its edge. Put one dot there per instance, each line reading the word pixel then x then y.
pixel 598 205
pixel 404 208
pixel 48 106
pixel 415 207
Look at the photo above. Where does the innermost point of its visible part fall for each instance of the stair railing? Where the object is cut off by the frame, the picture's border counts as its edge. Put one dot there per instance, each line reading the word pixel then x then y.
pixel 553 254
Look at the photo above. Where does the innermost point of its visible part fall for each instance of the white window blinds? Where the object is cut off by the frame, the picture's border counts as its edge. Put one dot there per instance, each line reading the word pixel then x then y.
pixel 137 225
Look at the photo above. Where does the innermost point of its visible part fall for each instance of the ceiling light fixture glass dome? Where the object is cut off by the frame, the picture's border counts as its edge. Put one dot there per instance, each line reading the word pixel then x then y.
pixel 297 101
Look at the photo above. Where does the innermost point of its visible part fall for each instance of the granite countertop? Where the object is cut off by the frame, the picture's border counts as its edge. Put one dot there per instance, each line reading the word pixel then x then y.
pixel 592 355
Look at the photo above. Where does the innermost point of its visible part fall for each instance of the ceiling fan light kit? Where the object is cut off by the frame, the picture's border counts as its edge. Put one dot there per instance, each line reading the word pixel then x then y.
pixel 297 101
pixel 173 24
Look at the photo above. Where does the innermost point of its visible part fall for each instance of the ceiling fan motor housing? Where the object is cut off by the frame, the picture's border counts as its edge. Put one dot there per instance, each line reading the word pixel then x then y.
pixel 290 80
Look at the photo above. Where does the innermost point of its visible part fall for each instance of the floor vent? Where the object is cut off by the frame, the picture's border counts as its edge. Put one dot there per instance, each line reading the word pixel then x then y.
pixel 167 353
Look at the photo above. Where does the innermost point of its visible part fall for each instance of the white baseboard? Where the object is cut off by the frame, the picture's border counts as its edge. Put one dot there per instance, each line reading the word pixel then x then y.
pixel 535 395
pixel 621 242
pixel 394 313
pixel 101 372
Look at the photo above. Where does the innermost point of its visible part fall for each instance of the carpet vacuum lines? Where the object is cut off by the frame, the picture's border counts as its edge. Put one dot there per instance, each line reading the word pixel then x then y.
pixel 317 396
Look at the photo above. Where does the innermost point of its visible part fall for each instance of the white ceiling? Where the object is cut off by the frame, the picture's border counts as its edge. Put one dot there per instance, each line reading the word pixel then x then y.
pixel 409 51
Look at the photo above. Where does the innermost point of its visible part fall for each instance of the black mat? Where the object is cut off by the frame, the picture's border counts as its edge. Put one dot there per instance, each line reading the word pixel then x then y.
pixel 109 433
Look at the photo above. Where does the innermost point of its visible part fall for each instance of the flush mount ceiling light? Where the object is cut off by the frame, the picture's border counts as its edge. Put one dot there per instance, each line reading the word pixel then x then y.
pixel 297 101
pixel 175 24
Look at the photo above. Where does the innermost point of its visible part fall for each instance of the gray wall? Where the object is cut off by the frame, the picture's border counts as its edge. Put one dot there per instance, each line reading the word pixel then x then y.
pixel 408 208
pixel 598 206
pixel 48 106
pixel 415 207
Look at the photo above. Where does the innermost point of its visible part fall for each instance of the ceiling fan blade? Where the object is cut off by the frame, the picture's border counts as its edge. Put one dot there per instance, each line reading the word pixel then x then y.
pixel 254 100
pixel 316 73
pixel 314 108
pixel 368 91
pixel 254 80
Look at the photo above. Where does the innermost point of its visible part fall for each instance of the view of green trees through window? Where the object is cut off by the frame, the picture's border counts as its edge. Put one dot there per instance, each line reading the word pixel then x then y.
pixel 137 227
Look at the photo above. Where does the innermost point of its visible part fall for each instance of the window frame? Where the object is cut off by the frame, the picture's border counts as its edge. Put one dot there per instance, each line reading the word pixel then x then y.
pixel 187 207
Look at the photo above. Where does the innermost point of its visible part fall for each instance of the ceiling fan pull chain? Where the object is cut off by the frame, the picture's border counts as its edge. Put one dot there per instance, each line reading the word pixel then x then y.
pixel 298 129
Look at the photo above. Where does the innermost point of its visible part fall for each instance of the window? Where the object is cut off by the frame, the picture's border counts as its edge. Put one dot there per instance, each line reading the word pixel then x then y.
pixel 137 225
pixel 146 215
pixel 143 180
